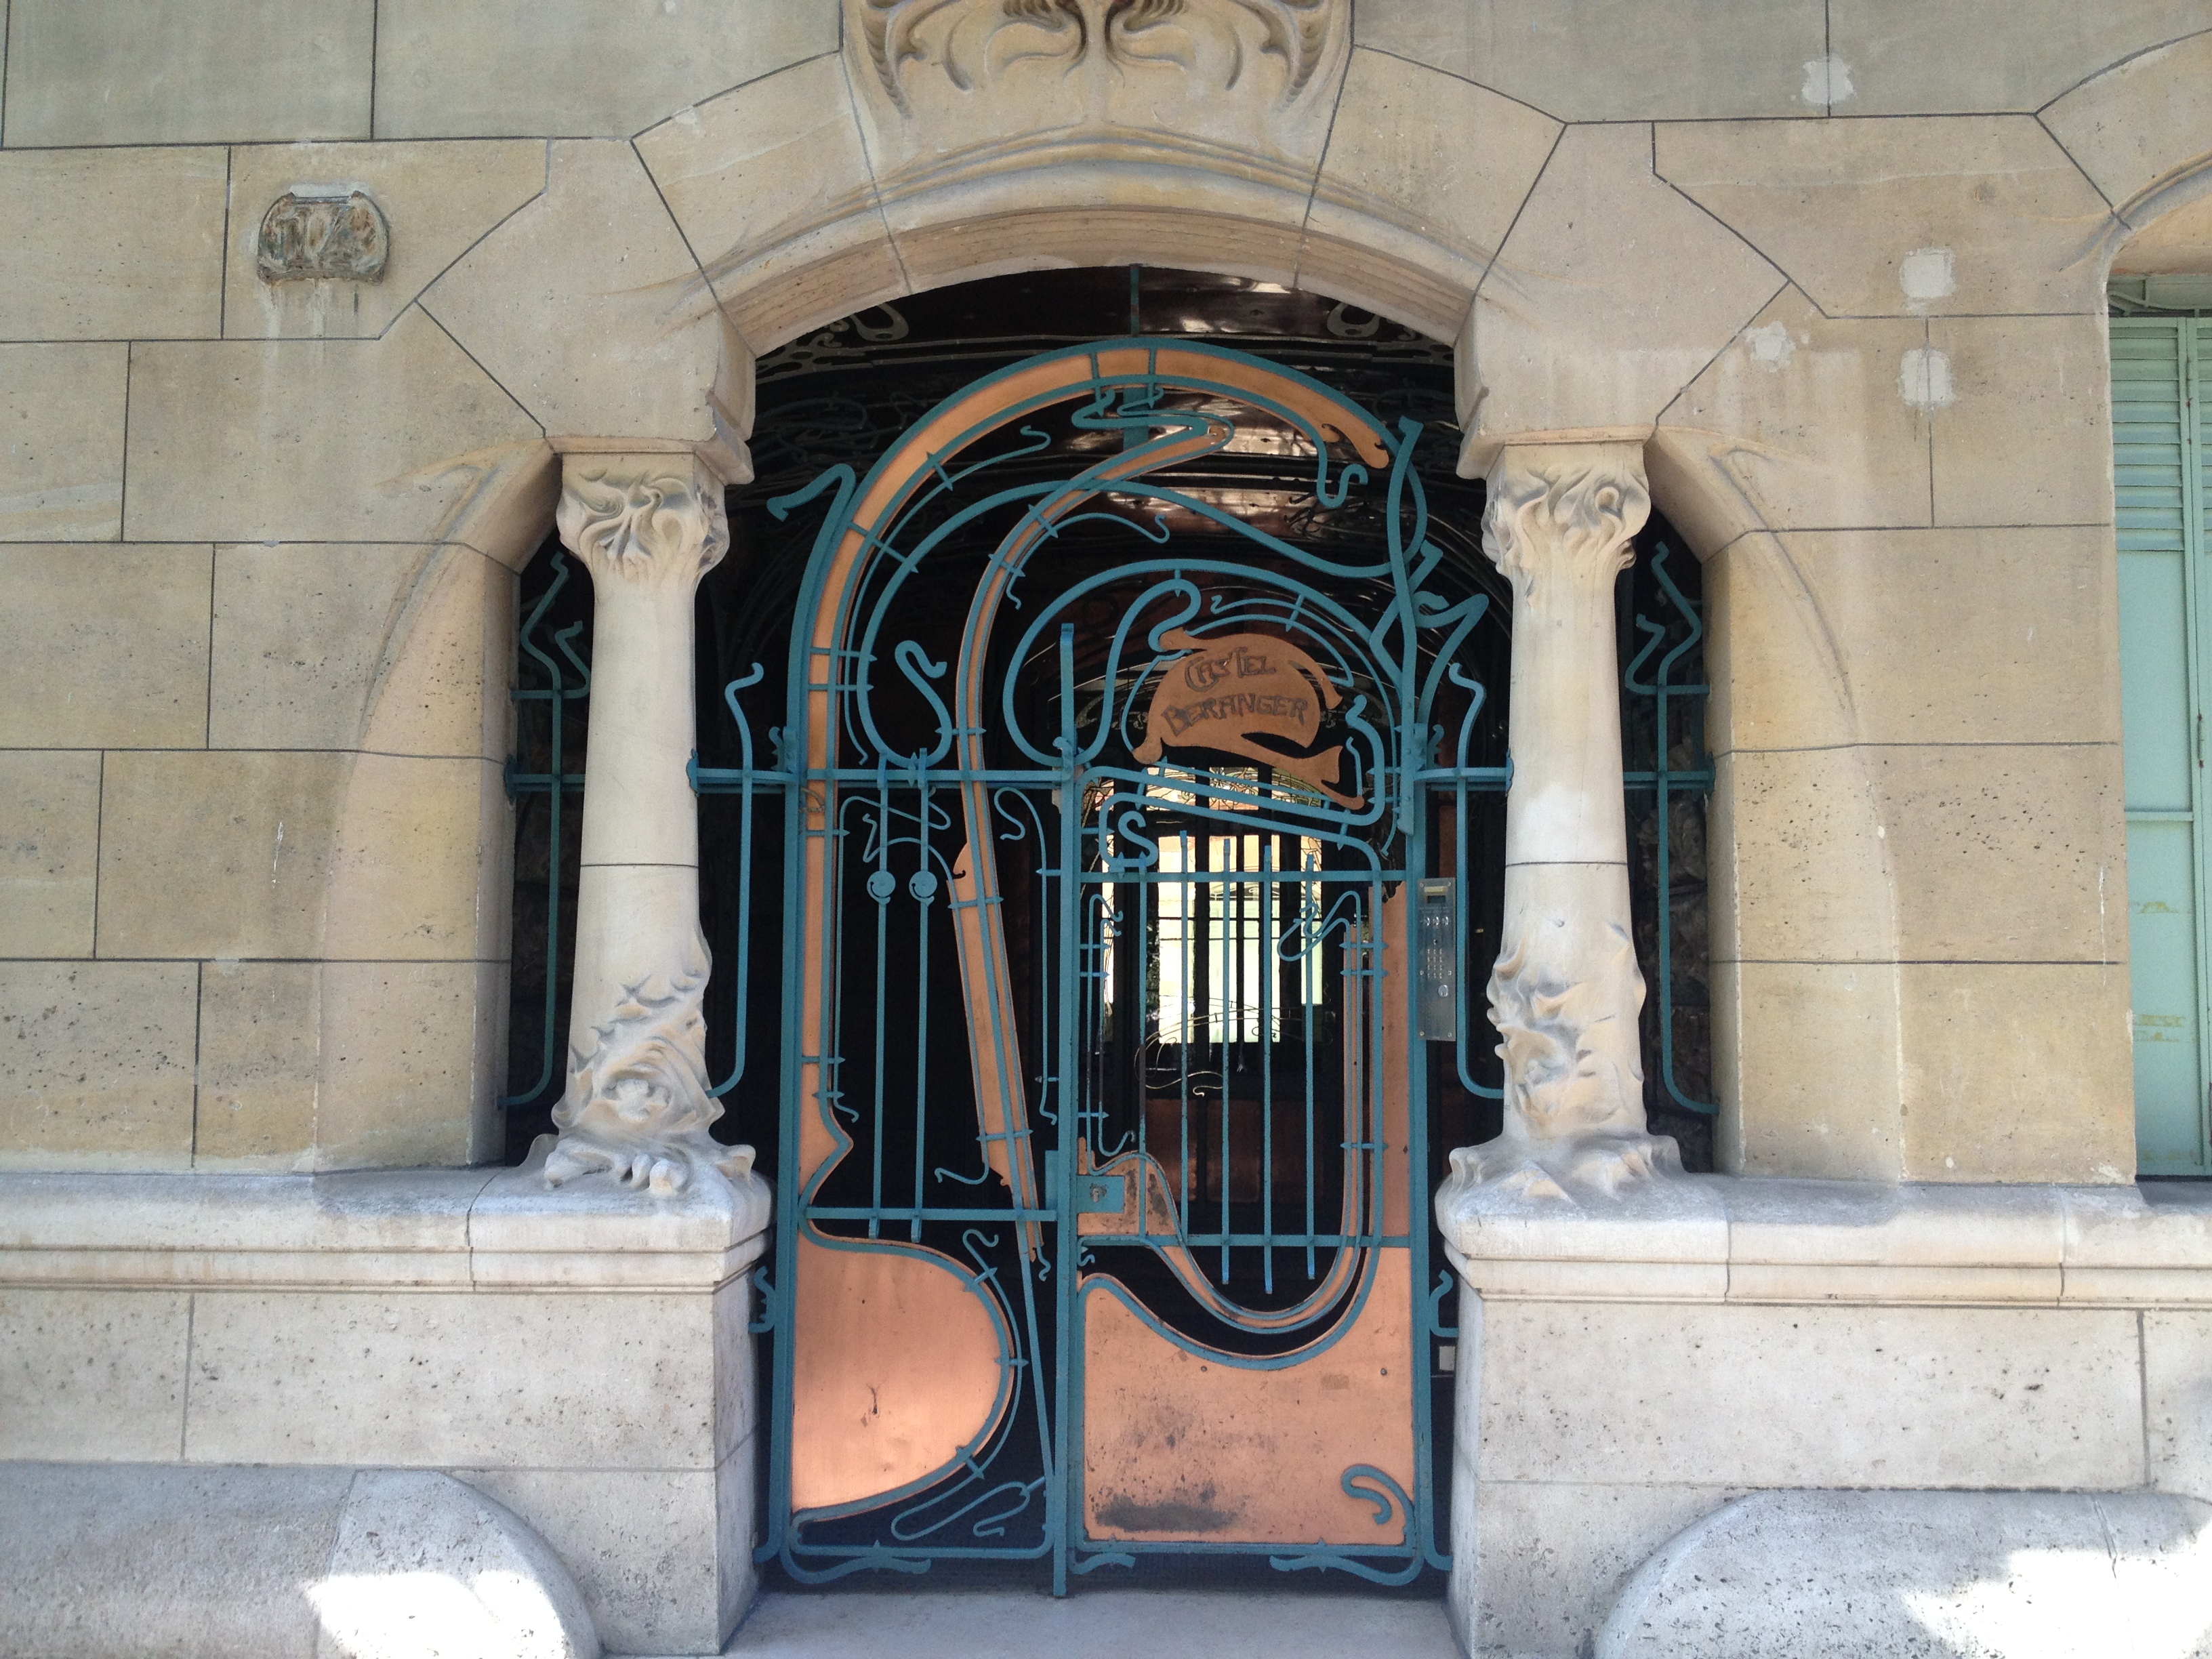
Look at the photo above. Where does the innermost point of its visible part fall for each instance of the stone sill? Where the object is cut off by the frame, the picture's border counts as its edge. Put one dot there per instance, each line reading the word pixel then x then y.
pixel 386 1229
pixel 1725 1238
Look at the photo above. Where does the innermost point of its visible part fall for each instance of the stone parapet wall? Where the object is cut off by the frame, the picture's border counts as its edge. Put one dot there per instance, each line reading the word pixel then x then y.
pixel 582 1359
pixel 1621 1373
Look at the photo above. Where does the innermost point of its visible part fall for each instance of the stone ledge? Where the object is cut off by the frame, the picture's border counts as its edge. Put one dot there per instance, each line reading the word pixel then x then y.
pixel 1723 1238
pixel 398 1229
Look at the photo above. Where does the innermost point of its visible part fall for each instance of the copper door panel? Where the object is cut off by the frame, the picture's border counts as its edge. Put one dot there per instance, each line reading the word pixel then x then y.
pixel 1180 1445
pixel 899 1364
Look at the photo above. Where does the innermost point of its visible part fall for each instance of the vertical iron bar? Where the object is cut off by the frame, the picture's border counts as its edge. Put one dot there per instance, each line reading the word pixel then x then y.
pixel 924 877
pixel 1068 1356
pixel 883 934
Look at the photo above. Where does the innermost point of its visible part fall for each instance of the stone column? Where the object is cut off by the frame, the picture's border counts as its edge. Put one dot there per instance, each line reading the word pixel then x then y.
pixel 648 526
pixel 1567 990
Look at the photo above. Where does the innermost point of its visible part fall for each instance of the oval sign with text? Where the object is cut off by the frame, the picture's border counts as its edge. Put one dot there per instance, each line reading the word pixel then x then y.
pixel 1247 694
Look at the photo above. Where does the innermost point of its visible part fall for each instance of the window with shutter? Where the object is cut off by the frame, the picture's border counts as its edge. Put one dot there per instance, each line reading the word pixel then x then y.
pixel 2158 464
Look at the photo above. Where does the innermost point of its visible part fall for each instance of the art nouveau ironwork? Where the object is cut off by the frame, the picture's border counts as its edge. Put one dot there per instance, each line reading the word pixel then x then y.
pixel 1130 834
pixel 1100 1192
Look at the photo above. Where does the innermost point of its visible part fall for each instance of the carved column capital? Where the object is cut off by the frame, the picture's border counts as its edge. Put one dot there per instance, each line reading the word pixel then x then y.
pixel 1564 512
pixel 643 519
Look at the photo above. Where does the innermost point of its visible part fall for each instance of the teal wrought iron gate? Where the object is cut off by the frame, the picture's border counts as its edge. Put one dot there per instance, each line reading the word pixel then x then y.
pixel 1127 835
pixel 1102 1226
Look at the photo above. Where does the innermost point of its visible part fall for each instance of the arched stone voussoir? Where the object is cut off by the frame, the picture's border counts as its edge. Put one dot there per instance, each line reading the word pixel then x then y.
pixel 1611 294
pixel 841 182
pixel 588 307
pixel 2139 127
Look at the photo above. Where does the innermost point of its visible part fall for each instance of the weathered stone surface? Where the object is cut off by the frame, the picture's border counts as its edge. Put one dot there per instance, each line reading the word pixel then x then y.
pixel 1616 60
pixel 2177 1395
pixel 92 1375
pixel 588 307
pixel 1766 1397
pixel 412 1059
pixel 578 69
pixel 1813 1088
pixel 286 1377
pixel 1907 58
pixel 425 1565
pixel 96 1064
pixel 259 1051
pixel 107 646
pixel 221 855
pixel 1557 1555
pixel 2139 125
pixel 2175 243
pixel 442 198
pixel 647 1546
pixel 1810 876
pixel 2021 424
pixel 61 441
pixel 1611 295
pixel 338 441
pixel 315 644
pixel 112 244
pixel 1940 636
pixel 301 633
pixel 114 72
pixel 1835 1575
pixel 129 1560
pixel 419 869
pixel 2017 1072
pixel 1428 167
pixel 1797 422
pixel 49 851
pixel 1864 224
pixel 1934 816
pixel 771 184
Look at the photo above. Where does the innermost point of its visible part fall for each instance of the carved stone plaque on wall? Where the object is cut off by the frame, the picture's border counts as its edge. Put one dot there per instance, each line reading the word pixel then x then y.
pixel 314 237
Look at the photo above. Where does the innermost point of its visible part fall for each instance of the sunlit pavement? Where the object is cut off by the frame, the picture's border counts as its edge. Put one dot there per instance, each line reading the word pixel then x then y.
pixel 1090 1625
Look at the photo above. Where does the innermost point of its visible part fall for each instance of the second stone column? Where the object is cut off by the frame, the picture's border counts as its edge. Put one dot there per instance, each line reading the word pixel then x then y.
pixel 1567 990
pixel 648 527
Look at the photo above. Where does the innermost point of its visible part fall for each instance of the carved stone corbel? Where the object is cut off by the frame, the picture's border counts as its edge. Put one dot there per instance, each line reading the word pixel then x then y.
pixel 1567 990
pixel 648 527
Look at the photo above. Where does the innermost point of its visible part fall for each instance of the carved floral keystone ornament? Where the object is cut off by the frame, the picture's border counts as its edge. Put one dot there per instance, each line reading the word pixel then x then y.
pixel 963 92
pixel 973 41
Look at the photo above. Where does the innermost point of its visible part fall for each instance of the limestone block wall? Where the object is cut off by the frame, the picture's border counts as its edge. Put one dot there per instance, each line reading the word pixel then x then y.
pixel 259 589
pixel 1840 261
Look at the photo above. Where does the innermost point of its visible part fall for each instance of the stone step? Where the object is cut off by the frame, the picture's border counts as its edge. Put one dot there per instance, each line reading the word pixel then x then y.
pixel 1090 1624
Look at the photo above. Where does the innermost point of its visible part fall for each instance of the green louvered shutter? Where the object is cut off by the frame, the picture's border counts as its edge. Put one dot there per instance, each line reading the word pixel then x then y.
pixel 2158 467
